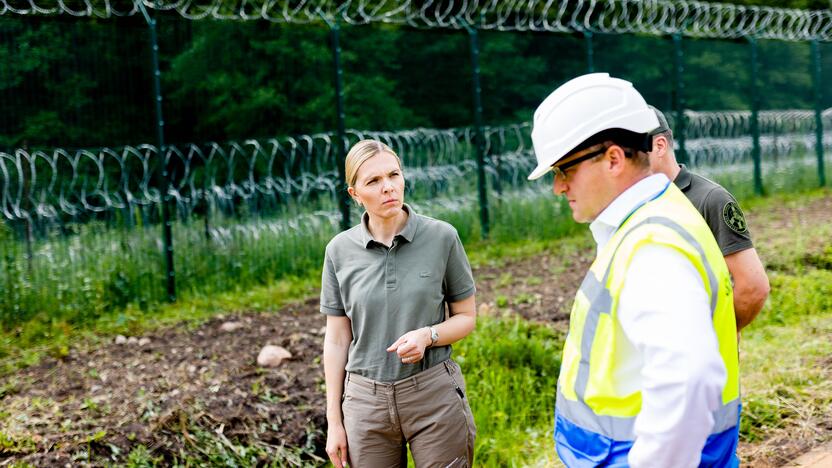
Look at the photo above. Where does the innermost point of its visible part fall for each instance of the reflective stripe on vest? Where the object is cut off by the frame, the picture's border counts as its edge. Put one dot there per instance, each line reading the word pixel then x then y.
pixel 618 428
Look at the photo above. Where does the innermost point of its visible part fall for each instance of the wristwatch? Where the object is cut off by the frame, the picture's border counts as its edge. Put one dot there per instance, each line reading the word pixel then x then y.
pixel 434 336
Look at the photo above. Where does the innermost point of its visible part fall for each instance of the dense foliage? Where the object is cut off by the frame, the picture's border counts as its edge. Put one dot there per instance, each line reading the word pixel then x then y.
pixel 87 83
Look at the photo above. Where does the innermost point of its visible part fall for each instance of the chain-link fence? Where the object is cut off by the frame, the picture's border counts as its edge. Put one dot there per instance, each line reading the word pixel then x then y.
pixel 248 177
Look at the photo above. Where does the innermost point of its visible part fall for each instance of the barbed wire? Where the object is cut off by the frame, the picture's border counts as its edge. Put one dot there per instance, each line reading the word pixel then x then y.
pixel 654 17
pixel 62 184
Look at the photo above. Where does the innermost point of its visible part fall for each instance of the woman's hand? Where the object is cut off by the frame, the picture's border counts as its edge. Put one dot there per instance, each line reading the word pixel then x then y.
pixel 411 346
pixel 336 445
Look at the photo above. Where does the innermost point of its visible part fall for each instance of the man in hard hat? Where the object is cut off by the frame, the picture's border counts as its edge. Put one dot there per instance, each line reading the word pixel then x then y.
pixel 724 218
pixel 649 374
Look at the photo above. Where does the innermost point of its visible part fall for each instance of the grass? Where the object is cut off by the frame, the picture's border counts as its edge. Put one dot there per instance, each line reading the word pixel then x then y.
pixel 504 359
pixel 786 379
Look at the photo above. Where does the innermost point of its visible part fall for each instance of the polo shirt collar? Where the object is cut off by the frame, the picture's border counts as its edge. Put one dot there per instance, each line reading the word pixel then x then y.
pixel 683 179
pixel 408 233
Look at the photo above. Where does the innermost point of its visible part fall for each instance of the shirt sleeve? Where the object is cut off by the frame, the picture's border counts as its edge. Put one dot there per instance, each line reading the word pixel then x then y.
pixel 665 312
pixel 458 283
pixel 331 303
pixel 727 221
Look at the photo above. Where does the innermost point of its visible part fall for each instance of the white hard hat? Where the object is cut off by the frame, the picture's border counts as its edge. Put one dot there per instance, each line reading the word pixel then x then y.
pixel 582 108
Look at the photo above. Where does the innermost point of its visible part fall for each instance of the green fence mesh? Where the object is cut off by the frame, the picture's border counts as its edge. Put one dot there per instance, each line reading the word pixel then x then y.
pixel 249 109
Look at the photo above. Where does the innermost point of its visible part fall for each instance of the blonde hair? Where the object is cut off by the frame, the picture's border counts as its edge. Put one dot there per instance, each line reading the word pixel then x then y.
pixel 360 153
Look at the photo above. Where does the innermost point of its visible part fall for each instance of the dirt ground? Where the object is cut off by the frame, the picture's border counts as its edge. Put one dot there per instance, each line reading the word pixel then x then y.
pixel 108 399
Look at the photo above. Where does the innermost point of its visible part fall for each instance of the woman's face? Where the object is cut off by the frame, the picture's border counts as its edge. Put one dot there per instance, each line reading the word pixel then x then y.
pixel 379 186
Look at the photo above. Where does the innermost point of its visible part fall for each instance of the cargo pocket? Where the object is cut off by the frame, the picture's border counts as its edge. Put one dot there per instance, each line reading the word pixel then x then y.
pixel 458 382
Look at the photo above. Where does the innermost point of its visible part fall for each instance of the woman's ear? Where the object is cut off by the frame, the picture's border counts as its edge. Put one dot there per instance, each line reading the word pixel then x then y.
pixel 353 195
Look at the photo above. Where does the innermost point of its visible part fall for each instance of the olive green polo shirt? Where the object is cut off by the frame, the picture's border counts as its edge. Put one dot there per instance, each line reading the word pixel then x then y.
pixel 719 208
pixel 387 292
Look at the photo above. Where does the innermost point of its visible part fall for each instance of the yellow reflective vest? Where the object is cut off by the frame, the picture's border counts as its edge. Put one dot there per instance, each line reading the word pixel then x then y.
pixel 592 356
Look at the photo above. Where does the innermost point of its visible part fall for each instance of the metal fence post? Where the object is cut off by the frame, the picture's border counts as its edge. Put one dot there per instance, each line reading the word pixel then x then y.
pixel 590 52
pixel 479 140
pixel 755 123
pixel 340 150
pixel 816 78
pixel 679 99
pixel 167 234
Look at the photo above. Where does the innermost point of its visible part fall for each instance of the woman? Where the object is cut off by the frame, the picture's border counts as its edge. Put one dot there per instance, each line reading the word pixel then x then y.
pixel 390 381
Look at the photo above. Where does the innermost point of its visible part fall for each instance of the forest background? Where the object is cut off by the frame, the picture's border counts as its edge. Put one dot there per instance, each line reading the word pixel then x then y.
pixel 80 83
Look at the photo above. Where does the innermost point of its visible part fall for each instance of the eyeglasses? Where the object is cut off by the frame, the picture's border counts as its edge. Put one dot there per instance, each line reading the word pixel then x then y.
pixel 560 171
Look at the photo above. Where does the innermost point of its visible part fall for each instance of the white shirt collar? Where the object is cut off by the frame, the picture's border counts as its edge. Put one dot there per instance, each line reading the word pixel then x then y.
pixel 608 221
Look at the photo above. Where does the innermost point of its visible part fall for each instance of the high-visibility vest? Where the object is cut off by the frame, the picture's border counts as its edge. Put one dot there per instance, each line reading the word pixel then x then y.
pixel 596 348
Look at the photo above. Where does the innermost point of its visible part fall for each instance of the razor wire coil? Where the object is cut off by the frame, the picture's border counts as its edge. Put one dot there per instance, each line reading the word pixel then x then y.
pixel 655 17
pixel 62 184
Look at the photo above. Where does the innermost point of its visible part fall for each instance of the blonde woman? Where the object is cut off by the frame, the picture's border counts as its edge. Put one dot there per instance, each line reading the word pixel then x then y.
pixel 390 380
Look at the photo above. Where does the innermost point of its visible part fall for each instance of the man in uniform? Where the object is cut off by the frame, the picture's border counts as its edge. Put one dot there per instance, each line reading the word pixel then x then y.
pixel 726 220
pixel 649 375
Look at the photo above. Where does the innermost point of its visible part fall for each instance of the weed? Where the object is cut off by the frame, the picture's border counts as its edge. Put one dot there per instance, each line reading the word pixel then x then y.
pixel 16 445
pixel 501 301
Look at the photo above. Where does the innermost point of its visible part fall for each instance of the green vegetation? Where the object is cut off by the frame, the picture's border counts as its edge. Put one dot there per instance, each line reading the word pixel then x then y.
pixel 229 80
pixel 504 359
pixel 511 365
pixel 785 358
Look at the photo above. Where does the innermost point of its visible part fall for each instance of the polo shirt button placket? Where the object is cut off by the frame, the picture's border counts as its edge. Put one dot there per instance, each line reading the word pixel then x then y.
pixel 390 267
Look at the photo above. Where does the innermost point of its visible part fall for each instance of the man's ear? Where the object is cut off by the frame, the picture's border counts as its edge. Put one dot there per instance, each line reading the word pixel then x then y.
pixel 616 159
pixel 659 146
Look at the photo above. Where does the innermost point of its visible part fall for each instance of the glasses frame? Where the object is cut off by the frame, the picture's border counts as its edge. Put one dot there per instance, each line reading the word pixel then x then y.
pixel 559 171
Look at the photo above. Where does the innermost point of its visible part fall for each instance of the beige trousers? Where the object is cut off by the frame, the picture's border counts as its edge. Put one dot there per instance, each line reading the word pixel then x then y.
pixel 428 411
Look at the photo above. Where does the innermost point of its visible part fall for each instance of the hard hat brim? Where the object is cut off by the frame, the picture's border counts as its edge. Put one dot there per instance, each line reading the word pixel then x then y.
pixel 539 171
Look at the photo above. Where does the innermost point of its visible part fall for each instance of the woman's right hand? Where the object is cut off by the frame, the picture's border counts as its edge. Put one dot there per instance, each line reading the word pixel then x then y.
pixel 336 445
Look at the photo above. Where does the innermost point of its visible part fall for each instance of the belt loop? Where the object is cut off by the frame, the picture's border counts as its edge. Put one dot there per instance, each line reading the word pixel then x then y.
pixel 374 387
pixel 415 382
pixel 447 367
pixel 348 376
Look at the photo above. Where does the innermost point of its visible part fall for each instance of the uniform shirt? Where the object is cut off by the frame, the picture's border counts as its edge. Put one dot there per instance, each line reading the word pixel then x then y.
pixel 719 208
pixel 665 314
pixel 387 292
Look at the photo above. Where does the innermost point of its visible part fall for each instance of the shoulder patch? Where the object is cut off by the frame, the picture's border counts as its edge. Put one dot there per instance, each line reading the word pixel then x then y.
pixel 734 218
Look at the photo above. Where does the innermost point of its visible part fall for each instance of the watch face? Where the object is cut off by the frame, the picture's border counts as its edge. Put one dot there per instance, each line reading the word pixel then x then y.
pixel 434 335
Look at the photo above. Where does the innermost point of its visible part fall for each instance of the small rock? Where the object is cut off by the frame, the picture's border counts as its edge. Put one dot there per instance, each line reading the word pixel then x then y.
pixel 191 368
pixel 132 340
pixel 272 356
pixel 121 339
pixel 485 310
pixel 322 330
pixel 144 341
pixel 230 326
